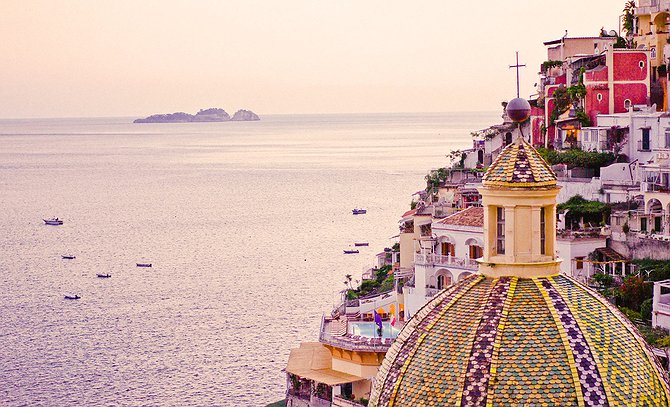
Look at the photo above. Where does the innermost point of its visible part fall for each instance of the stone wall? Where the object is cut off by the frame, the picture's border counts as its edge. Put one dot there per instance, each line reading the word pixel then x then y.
pixel 642 248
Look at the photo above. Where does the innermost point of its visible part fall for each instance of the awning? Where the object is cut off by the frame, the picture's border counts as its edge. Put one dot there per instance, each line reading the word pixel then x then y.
pixel 313 361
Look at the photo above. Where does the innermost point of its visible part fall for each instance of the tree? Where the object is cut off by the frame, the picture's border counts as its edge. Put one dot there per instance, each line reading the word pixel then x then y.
pixel 347 282
pixel 633 291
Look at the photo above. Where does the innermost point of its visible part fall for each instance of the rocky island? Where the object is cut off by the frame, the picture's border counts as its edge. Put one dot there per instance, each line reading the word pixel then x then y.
pixel 204 115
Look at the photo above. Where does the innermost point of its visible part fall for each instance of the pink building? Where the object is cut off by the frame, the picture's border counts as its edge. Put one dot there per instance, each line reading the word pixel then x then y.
pixel 615 79
pixel 623 81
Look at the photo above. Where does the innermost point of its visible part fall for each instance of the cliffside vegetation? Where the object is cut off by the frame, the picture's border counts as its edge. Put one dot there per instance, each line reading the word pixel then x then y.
pixel 582 210
pixel 578 158
pixel 383 282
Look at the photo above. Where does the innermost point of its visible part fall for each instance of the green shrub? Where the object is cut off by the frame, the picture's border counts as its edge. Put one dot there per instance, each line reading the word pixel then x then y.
pixel 646 308
pixel 387 285
pixel 630 314
pixel 604 280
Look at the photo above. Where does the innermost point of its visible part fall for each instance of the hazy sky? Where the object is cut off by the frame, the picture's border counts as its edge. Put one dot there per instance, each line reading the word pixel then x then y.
pixel 65 58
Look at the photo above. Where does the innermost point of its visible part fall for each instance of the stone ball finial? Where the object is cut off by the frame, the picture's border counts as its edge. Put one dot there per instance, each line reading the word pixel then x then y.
pixel 518 110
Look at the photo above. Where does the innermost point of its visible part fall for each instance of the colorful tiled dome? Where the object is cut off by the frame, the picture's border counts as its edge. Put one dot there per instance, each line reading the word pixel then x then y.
pixel 519 165
pixel 511 341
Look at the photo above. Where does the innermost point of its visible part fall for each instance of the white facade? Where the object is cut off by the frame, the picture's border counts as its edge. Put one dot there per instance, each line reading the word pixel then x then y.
pixel 574 251
pixel 660 316
pixel 648 130
pixel 442 260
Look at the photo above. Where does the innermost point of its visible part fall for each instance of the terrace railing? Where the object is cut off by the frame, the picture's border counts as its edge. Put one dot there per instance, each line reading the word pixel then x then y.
pixel 450 261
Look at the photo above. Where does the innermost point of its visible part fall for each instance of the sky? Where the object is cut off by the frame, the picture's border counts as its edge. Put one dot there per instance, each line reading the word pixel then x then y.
pixel 89 58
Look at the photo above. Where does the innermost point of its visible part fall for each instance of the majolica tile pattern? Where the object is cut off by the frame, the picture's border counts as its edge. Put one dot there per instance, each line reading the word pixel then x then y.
pixel 478 373
pixel 519 342
pixel 519 165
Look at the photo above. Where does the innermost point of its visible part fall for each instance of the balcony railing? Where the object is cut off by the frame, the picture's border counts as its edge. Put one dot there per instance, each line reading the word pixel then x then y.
pixel 450 261
pixel 357 344
pixel 403 272
pixel 652 187
pixel 342 402
pixel 431 292
pixel 664 307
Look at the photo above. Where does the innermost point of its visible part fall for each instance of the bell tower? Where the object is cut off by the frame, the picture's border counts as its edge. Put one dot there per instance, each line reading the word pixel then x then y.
pixel 519 197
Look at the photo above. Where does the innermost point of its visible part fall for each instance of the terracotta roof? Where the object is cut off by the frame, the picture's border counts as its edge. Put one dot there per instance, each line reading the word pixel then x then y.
pixel 510 341
pixel 519 165
pixel 408 213
pixel 472 216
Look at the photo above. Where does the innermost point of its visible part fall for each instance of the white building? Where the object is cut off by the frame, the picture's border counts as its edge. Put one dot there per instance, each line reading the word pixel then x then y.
pixel 660 316
pixel 447 256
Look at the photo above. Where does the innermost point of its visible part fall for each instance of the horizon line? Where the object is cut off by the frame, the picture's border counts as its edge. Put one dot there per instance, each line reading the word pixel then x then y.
pixel 263 114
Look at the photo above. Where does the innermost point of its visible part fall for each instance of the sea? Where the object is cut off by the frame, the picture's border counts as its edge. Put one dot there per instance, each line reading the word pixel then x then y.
pixel 244 224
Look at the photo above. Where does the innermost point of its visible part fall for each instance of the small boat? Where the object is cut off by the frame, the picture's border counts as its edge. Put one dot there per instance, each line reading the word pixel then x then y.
pixel 359 244
pixel 68 257
pixel 359 211
pixel 351 251
pixel 104 275
pixel 72 297
pixel 143 264
pixel 53 221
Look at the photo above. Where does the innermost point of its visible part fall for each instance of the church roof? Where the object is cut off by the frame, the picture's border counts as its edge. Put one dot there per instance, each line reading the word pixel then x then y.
pixel 519 165
pixel 513 341
pixel 472 216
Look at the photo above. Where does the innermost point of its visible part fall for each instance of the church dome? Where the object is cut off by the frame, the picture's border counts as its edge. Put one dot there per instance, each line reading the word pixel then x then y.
pixel 513 341
pixel 519 165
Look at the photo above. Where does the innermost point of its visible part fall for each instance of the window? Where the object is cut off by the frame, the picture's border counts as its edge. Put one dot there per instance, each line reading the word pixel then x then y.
pixel 543 232
pixel 599 96
pixel 652 55
pixel 626 104
pixel 643 224
pixel 448 249
pixel 476 252
pixel 500 230
pixel 667 137
pixel 642 62
pixel 579 263
pixel 443 282
pixel 645 140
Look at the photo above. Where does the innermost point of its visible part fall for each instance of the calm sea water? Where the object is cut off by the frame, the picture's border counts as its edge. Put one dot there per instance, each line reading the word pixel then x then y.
pixel 244 223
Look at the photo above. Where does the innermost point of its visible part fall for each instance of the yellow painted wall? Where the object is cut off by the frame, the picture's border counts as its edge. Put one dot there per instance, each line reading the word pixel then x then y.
pixel 356 369
pixel 406 249
pixel 522 255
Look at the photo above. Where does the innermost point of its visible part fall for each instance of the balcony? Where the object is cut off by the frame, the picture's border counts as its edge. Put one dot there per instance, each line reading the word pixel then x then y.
pixel 447 261
pixel 654 187
pixel 342 402
pixel 431 292
pixel 353 343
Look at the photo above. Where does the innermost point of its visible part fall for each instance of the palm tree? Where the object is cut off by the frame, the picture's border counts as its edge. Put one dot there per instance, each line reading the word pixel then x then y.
pixel 348 281
pixel 628 19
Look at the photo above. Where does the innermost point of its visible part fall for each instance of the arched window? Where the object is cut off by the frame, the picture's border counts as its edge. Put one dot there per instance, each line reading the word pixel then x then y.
pixel 627 104
pixel 599 96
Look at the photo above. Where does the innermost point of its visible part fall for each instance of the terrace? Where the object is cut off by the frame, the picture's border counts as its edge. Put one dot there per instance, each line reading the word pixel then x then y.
pixel 357 335
pixel 448 261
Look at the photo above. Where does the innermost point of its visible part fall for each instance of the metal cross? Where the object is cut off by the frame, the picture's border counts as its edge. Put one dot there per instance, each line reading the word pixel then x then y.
pixel 517 66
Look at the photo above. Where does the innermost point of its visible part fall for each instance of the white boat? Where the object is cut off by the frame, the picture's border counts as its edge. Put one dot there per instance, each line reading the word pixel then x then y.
pixel 52 221
pixel 357 211
pixel 144 264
